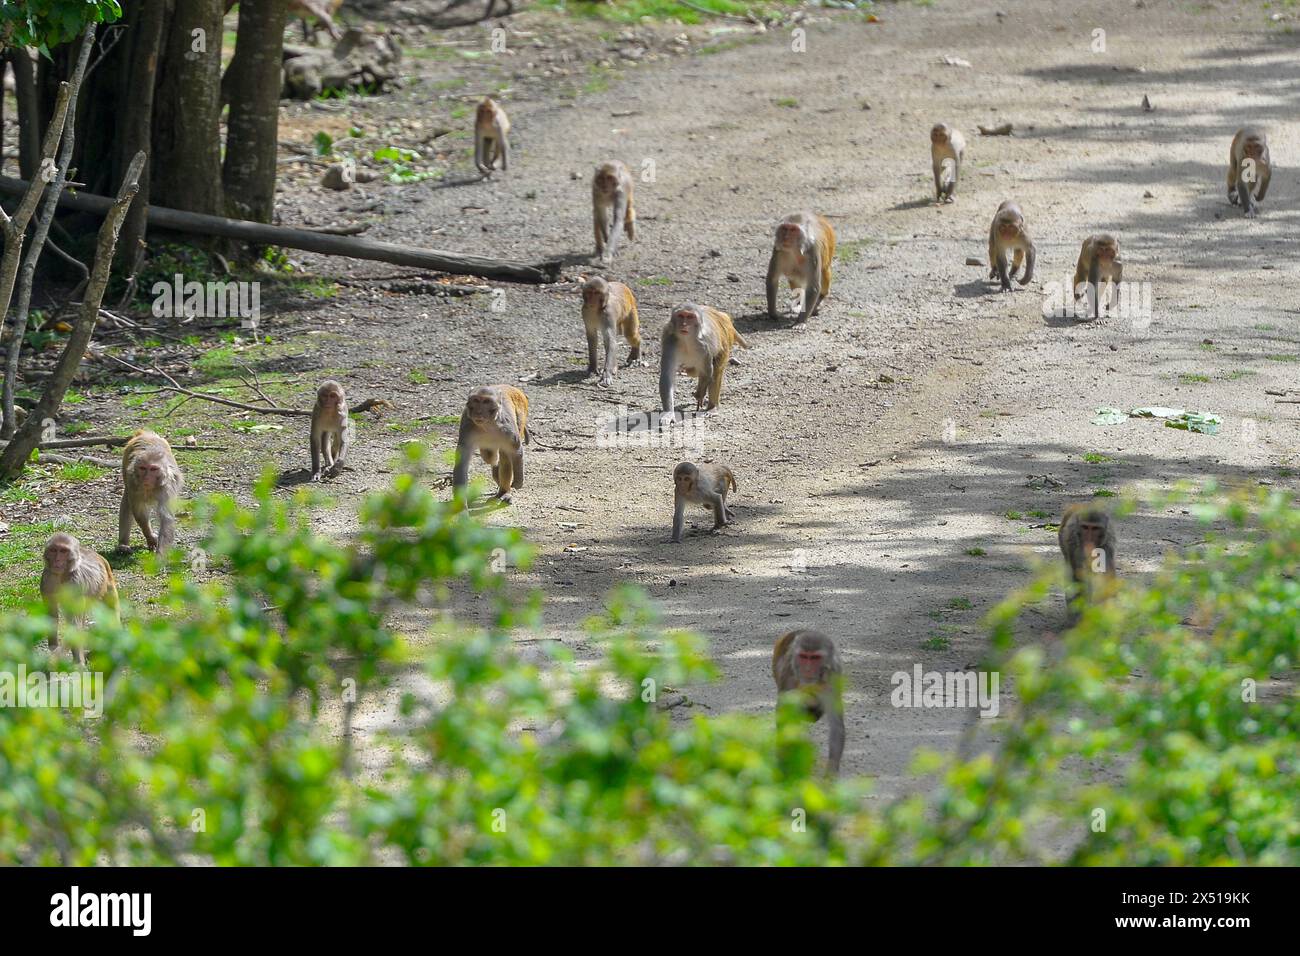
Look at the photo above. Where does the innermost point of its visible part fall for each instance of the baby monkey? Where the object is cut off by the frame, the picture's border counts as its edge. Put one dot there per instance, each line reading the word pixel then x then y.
pixel 1249 169
pixel 705 485
pixel 612 207
pixel 1098 262
pixel 1007 234
pixel 946 146
pixel 1088 546
pixel 609 308
pixel 491 137
pixel 331 431
pixel 807 662
pixel 74 571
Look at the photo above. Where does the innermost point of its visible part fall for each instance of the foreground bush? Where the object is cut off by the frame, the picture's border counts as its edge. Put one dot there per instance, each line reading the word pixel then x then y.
pixel 225 736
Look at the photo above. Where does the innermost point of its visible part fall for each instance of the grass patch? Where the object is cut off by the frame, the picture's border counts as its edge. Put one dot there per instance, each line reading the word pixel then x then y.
pixel 1096 458
pixel 655 280
pixel 1014 516
pixel 1192 378
pixel 851 251
pixel 976 552
pixel 80 471
pixel 937 642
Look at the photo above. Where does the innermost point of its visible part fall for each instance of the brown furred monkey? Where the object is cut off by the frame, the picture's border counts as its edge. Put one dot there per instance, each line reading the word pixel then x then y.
pixel 705 485
pixel 1249 169
pixel 1088 546
pixel 491 137
pixel 151 480
pixel 609 308
pixel 71 569
pixel 331 430
pixel 697 339
pixel 1008 233
pixel 802 253
pixel 611 206
pixel 1098 261
pixel 946 145
pixel 494 424
pixel 807 662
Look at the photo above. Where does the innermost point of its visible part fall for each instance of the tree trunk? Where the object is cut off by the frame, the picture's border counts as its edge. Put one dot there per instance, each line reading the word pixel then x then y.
pixel 137 121
pixel 186 166
pixel 29 112
pixel 252 127
pixel 17 452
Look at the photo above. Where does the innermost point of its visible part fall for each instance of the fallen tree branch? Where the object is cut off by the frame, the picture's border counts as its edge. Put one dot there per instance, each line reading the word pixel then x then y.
pixel 174 386
pixel 548 270
pixel 114 441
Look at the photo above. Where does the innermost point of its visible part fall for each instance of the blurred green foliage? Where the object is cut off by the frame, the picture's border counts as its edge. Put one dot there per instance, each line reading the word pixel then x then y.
pixel 226 736
pixel 47 23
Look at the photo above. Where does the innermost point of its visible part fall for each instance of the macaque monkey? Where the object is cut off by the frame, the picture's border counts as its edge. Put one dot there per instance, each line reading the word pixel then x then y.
pixel 322 10
pixel 1005 234
pixel 494 424
pixel 807 662
pixel 151 479
pixel 331 432
pixel 697 339
pixel 1249 169
pixel 946 145
pixel 609 308
pixel 1088 545
pixel 611 204
pixel 70 568
pixel 705 485
pixel 491 137
pixel 1099 261
pixel 802 253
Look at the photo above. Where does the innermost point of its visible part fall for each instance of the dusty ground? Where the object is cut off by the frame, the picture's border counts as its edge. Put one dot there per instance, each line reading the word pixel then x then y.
pixel 887 446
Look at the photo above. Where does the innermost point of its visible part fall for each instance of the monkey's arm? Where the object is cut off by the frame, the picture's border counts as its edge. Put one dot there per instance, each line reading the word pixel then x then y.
pixel 714 501
pixel 124 521
pixel 772 279
pixel 835 714
pixel 812 293
pixel 464 452
pixel 1264 177
pixel 1031 254
pixel 679 515
pixel 1094 276
pixel 667 371
pixel 616 222
pixel 505 152
pixel 607 332
pixel 1000 264
pixel 166 526
pixel 1245 195
pixel 345 442
pixel 592 367
pixel 937 165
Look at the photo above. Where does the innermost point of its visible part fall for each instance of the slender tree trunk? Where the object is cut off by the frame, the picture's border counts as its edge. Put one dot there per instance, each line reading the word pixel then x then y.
pixel 20 449
pixel 186 167
pixel 137 119
pixel 254 79
pixel 27 273
pixel 29 112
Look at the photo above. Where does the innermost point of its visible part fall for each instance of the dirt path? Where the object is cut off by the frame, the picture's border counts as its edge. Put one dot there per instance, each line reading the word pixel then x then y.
pixel 884 447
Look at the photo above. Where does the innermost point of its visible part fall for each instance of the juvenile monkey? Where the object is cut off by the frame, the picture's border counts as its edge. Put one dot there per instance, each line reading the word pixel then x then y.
pixel 946 145
pixel 807 662
pixel 151 479
pixel 1008 233
pixel 609 308
pixel 705 485
pixel 697 339
pixel 494 424
pixel 331 431
pixel 802 253
pixel 491 137
pixel 72 569
pixel 611 204
pixel 1088 546
pixel 1099 261
pixel 1249 169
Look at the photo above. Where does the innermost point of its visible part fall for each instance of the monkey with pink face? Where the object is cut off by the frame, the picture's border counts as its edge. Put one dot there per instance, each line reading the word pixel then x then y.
pixel 74 571
pixel 807 662
pixel 152 481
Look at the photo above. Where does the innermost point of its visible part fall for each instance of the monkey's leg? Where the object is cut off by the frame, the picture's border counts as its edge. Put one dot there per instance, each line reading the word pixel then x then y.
pixel 939 191
pixel 715 503
pixel 503 150
pixel 489 457
pixel 1031 256
pixel 517 460
pixel 607 333
pixel 166 528
pixel 480 155
pixel 341 445
pixel 619 216
pixel 592 366
pixel 124 524
pixel 1232 179
pixel 1094 277
pixel 773 278
pixel 1246 198
pixel 1264 177
pixel 598 227
pixel 952 183
pixel 629 223
pixel 315 455
pixel 836 716
pixel 1003 278
pixel 1017 260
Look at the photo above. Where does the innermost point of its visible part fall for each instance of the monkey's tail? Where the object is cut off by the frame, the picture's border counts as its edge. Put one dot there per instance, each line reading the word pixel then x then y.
pixel 739 340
